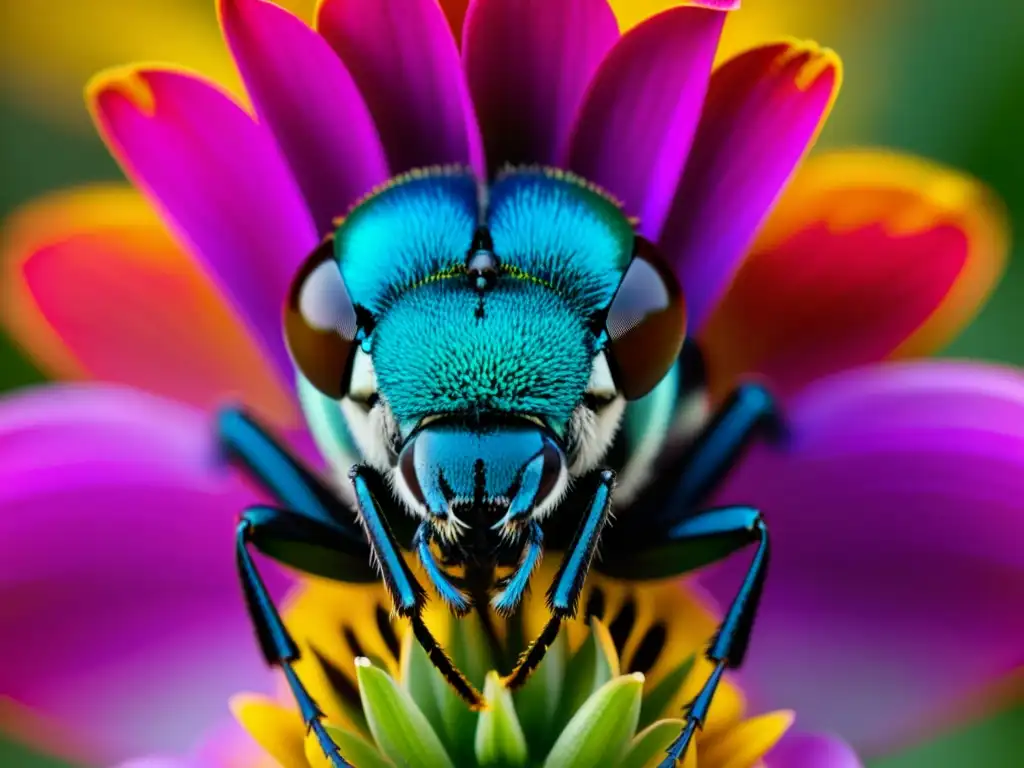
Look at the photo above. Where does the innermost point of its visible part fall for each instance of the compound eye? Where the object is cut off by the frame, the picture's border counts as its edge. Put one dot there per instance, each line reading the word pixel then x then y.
pixel 646 323
pixel 320 322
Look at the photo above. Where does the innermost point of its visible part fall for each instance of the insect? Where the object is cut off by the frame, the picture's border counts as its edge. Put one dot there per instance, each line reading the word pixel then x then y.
pixel 490 368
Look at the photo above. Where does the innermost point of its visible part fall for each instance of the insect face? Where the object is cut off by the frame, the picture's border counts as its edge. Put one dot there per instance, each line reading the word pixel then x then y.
pixel 481 399
pixel 481 343
pixel 491 475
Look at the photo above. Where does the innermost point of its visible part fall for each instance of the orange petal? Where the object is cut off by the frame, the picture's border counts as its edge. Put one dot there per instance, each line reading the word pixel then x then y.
pixel 95 287
pixel 868 255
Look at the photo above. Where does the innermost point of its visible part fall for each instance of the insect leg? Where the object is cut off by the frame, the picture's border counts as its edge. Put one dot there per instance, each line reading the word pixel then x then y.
pixel 452 595
pixel 509 590
pixel 749 411
pixel 406 593
pixel 277 645
pixel 564 593
pixel 295 487
pixel 722 530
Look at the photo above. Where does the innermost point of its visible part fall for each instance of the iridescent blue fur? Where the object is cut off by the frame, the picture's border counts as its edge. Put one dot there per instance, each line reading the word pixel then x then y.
pixel 524 347
pixel 442 348
pixel 403 235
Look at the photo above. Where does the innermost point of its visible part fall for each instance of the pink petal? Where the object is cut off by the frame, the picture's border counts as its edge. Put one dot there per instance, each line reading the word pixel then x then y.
pixel 97 288
pixel 404 58
pixel 226 745
pixel 639 116
pixel 305 96
pixel 117 570
pixel 764 108
pixel 896 587
pixel 801 750
pixel 221 182
pixel 528 65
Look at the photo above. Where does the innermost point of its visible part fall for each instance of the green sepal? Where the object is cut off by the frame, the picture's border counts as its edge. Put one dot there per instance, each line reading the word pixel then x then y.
pixel 660 696
pixel 594 664
pixel 600 731
pixel 499 741
pixel 648 749
pixel 350 708
pixel 355 749
pixel 537 701
pixel 418 678
pixel 468 648
pixel 400 728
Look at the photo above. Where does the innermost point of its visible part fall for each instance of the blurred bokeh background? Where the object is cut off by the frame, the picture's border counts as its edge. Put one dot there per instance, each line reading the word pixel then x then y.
pixel 940 78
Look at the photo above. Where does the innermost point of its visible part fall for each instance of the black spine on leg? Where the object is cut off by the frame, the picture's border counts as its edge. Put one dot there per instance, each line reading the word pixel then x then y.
pixel 406 591
pixel 534 655
pixel 564 593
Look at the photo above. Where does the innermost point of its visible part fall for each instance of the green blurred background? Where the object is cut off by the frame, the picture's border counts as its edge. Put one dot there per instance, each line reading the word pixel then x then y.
pixel 940 78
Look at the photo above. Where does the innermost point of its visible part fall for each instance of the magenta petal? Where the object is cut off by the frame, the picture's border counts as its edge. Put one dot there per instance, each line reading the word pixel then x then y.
pixel 226 745
pixel 123 619
pixel 404 58
pixel 220 180
pixel 307 98
pixel 801 750
pixel 640 114
pixel 763 110
pixel 528 65
pixel 896 586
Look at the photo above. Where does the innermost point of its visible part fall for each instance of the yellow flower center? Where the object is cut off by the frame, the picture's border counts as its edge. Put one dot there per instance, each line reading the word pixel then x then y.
pixel 657 629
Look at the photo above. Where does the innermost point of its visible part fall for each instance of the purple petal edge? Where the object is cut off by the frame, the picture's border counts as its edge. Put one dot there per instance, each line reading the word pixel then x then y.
pixel 804 750
pixel 116 566
pixel 896 589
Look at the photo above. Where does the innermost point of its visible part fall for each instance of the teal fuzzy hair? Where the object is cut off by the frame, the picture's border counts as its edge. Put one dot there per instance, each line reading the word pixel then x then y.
pixel 546 225
pixel 520 348
pixel 524 346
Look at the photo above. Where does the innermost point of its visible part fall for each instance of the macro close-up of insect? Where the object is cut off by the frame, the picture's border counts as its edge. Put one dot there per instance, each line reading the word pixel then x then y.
pixel 511 384
pixel 501 367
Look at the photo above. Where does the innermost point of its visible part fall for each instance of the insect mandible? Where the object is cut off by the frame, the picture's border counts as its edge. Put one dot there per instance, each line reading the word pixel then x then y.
pixel 489 368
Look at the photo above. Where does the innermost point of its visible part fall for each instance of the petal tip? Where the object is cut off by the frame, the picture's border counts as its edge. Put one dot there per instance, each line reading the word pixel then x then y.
pixel 126 84
pixel 810 64
pixel 716 5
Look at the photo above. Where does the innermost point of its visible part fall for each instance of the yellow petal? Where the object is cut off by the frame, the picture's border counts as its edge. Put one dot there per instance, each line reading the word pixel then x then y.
pixel 277 729
pixel 727 707
pixel 753 23
pixel 745 743
pixel 334 623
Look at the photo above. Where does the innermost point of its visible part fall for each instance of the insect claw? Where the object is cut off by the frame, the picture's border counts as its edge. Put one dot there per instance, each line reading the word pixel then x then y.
pixel 511 524
pixel 448 527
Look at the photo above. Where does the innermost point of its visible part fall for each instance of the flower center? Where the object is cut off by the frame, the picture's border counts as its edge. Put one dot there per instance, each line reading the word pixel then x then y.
pixel 635 648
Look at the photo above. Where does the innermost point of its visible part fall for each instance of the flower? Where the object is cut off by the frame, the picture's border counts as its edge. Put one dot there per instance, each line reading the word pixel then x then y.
pixel 608 694
pixel 44 64
pixel 890 557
